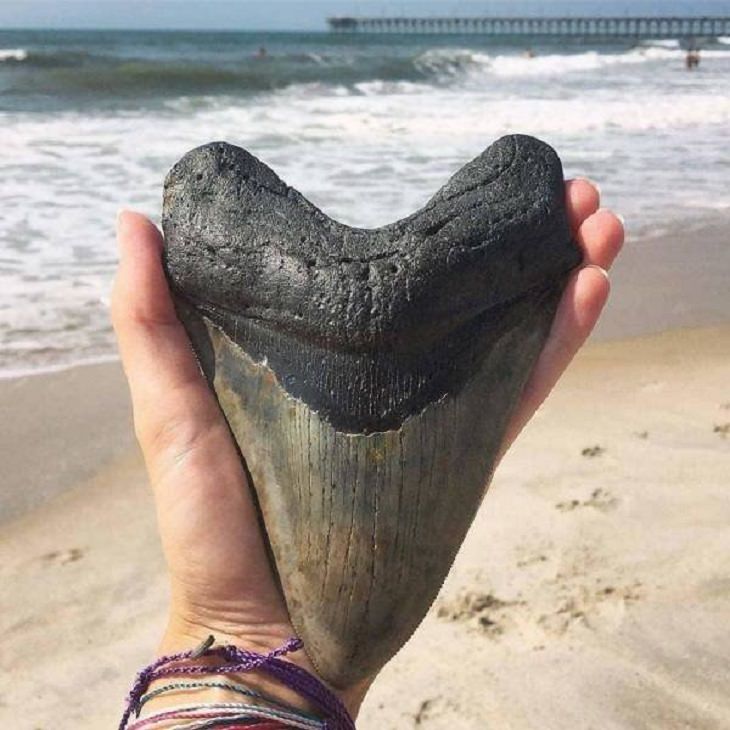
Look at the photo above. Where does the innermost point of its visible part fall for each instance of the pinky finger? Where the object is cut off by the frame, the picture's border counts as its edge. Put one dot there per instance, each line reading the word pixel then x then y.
pixel 577 315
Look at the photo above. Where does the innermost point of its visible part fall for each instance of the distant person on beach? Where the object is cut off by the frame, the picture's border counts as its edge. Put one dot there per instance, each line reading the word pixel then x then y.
pixel 262 52
pixel 529 53
pixel 221 580
pixel 693 59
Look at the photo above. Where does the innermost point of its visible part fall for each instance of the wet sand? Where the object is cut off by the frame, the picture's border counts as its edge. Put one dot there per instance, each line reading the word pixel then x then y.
pixel 670 280
pixel 60 428
pixel 592 591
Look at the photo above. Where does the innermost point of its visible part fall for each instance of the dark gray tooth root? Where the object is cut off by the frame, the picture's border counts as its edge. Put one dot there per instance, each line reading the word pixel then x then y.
pixel 368 376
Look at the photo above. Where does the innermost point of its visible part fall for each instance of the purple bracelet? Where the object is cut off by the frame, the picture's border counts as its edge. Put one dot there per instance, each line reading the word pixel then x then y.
pixel 237 661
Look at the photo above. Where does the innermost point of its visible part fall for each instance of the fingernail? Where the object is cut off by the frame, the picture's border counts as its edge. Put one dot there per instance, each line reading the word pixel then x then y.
pixel 118 229
pixel 600 269
pixel 591 182
pixel 621 218
pixel 120 213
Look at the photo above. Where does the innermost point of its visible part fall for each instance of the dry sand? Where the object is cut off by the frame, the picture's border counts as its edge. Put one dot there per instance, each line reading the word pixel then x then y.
pixel 593 590
pixel 592 593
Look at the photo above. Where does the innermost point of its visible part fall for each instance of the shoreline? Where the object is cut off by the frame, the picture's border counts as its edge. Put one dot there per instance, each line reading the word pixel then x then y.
pixel 664 281
pixel 59 367
pixel 66 425
pixel 698 285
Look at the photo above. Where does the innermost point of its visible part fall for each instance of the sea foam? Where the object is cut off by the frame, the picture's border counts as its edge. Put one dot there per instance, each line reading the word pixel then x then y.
pixel 462 61
pixel 367 151
pixel 13 54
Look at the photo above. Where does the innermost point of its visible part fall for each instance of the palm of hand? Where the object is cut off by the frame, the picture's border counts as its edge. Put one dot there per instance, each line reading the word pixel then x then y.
pixel 221 580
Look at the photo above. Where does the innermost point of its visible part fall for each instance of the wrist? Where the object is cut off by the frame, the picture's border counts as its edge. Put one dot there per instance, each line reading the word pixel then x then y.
pixel 184 634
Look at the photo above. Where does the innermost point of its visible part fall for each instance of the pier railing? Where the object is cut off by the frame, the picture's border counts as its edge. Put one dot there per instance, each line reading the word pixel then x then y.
pixel 639 27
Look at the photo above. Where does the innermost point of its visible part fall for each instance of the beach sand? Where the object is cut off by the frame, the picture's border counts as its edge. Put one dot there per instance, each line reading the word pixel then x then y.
pixel 593 590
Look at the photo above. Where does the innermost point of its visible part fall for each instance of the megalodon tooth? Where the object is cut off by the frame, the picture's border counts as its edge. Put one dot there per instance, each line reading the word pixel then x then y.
pixel 368 376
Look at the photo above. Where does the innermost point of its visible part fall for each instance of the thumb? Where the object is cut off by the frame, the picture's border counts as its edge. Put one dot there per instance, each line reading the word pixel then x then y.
pixel 578 312
pixel 171 400
pixel 207 518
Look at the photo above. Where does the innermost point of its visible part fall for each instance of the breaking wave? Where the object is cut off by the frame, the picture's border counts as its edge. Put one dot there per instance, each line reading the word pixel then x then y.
pixel 661 42
pixel 72 74
pixel 453 62
pixel 13 54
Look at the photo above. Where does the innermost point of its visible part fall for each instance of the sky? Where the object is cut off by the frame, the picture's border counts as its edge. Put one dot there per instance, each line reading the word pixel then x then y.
pixel 303 14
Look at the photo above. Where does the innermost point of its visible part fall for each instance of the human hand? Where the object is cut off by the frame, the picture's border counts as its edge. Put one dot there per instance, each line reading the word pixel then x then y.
pixel 221 580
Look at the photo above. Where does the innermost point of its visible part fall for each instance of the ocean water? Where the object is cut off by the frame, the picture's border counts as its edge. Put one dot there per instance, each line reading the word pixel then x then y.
pixel 368 127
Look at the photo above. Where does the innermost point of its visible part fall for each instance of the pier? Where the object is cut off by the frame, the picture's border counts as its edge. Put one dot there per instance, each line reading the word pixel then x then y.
pixel 616 27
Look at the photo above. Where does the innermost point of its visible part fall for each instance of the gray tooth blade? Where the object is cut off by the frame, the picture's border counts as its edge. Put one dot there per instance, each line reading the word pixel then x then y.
pixel 368 376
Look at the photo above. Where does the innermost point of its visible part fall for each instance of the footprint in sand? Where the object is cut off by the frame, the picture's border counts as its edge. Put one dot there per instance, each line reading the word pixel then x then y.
pixel 425 712
pixel 591 452
pixel 590 607
pixel 62 557
pixel 600 499
pixel 532 560
pixel 722 430
pixel 433 712
pixel 482 610
pixel 557 607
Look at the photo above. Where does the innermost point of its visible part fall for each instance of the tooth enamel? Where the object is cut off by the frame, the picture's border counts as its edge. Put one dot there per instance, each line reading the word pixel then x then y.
pixel 367 376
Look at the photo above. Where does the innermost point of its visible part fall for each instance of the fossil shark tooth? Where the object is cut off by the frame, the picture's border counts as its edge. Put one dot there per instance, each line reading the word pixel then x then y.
pixel 368 376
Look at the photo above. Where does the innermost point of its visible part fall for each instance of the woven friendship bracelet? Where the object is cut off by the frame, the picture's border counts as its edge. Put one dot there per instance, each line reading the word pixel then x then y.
pixel 235 726
pixel 239 661
pixel 229 709
pixel 216 713
pixel 232 724
pixel 235 722
pixel 233 687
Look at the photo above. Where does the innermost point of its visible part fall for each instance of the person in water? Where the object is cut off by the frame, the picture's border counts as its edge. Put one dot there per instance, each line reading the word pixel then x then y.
pixel 222 582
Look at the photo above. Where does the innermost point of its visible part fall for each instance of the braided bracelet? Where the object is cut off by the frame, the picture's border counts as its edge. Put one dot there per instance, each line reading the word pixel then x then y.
pixel 219 714
pixel 334 715
pixel 233 687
